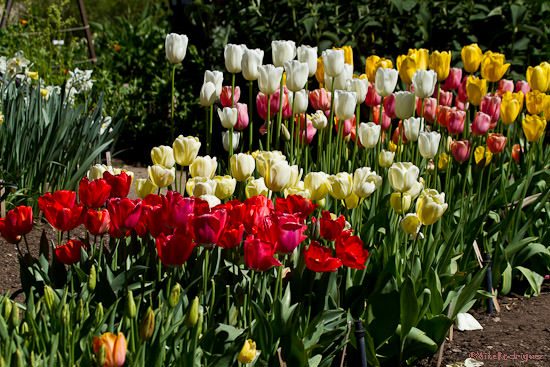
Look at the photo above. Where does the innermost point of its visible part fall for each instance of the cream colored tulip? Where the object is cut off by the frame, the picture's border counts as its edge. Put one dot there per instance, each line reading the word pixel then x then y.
pixel 278 175
pixel 402 176
pixel 203 167
pixel 340 185
pixel 160 176
pixel 317 184
pixel 185 149
pixel 365 181
pixel 242 166
pixel 163 155
pixel 255 187
pixel 225 186
pixel 145 187
pixel 385 159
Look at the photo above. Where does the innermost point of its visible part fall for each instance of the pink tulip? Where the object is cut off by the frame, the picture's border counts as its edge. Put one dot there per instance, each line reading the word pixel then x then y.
pixel 461 150
pixel 320 99
pixel 386 120
pixel 522 85
pixel 445 98
pixel 506 85
pixel 242 116
pixel 462 94
pixel 453 80
pixel 275 99
pixel 372 98
pixel 455 124
pixel 225 97
pixel 261 106
pixel 463 106
pixel 481 123
pixel 490 106
pixel 428 109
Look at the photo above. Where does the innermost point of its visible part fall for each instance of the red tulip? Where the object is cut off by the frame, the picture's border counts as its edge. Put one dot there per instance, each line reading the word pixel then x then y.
pixel 372 99
pixel 231 236
pixel 389 105
pixel 69 253
pixel 94 194
pixel 481 123
pixel 242 116
pixel 286 232
pixel 97 222
pixel 490 106
pixel 61 210
pixel 453 80
pixel 443 115
pixel 523 86
pixel 386 120
pixel 125 213
pixel 225 97
pixel 258 255
pixel 120 184
pixel 517 151
pixel 256 209
pixel 496 143
pixel 319 259
pixel 331 229
pixel 399 130
pixel 461 150
pixel 174 249
pixel 207 228
pixel 8 231
pixel 297 205
pixel 320 99
pixel 462 94
pixel 349 249
pixel 455 124
pixel 18 222
pixel 158 221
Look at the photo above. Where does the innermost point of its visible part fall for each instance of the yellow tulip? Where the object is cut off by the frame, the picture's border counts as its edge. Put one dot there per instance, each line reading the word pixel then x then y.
pixel 248 352
pixel 370 67
pixel 533 127
pixel 352 201
pixel 317 184
pixel 225 186
pixel 534 100
pixel 320 72
pixel 400 202
pixel 476 89
pixel 384 64
pixel 546 108
pixel 430 206
pixel 33 75
pixel 160 176
pixel 421 56
pixel 471 57
pixel 340 185
pixel 493 67
pixel 255 187
pixel 144 187
pixel 348 54
pixel 392 146
pixel 538 77
pixel 406 65
pixel 481 153
pixel 440 62
pixel 443 161
pixel 510 107
pixel 411 223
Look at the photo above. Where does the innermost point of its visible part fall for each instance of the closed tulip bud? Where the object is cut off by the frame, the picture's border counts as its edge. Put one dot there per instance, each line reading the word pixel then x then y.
pixel 24 330
pixel 385 159
pixel 174 296
pixel 250 61
pixel 493 67
pixel 145 187
pixel 299 101
pixel 99 313
pixel 411 224
pixel 242 116
pixel 225 140
pixel 333 61
pixel 341 80
pixel 412 127
pixel 163 155
pixel 130 307
pixel 186 149
pixel 369 134
pixel 481 123
pixel 538 77
pixel 278 175
pixel 255 187
pixel 440 62
pixel 147 327
pixel 14 316
pixel 430 206
pixel 225 186
pixel 92 278
pixel 317 184
pixel 19 358
pixel 360 87
pixel 428 144
pixel 66 315
pixel 216 78
pixel 448 144
pixel 160 176
pixel 176 47
pixel 193 314
pixel 248 352
pixel 282 51
pixel 308 55
pixel 50 297
pixel 461 150
pixel 471 57
pixel 534 101
pixel 203 167
pixel 400 203
pixel 402 176
pixel 233 55
pixel 533 127
pixel 424 82
pixel 319 120
pixel 517 151
pixel 443 161
pixel 476 89
pixel 340 185
pixel 228 117
pixel 365 182
pixel 344 104
pixel 269 78
pixel 296 75
pixel 385 81
pixel 404 104
pixel 242 166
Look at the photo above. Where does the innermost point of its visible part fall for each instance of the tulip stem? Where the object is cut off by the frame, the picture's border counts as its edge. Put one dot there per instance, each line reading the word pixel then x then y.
pixel 280 115
pixel 230 147
pixel 232 90
pixel 172 127
pixel 250 128
pixel 268 140
pixel 330 127
pixel 357 122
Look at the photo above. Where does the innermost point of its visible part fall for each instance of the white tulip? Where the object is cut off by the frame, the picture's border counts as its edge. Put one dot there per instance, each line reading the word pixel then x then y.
pixel 412 127
pixel 269 78
pixel 319 120
pixel 385 81
pixel 360 87
pixel 250 62
pixel 385 159
pixel 296 75
pixel 333 61
pixel 428 144
pixel 403 176
pixel 308 55
pixel 203 167
pixel 176 47
pixel 228 116
pixel 298 101
pixel 242 166
pixel 278 175
pixel 365 181
pixel 282 51
pixel 208 94
pixel 404 104
pixel 369 134
pixel 225 140
pixel 233 55
pixel 344 104
pixel 341 80
pixel 216 77
pixel 424 82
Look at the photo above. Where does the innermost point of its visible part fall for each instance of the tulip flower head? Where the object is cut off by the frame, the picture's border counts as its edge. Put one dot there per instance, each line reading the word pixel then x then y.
pixel 308 55
pixel 365 181
pixel 93 194
pixel 428 144
pixel 296 74
pixel 115 347
pixel 533 127
pixel 369 134
pixel 320 99
pixel 163 155
pixel 269 78
pixel 385 159
pixel 317 184
pixel 176 47
pixel 18 221
pixel 385 82
pixel 491 106
pixel 455 123
pixel 453 80
pixel 471 57
pixel 404 104
pixel 440 62
pixel 258 254
pixel 424 82
pixel 333 61
pixel 461 150
pixel 412 127
pixel 534 101
pixel 215 77
pixel 340 185
pixel 430 206
pixel 319 258
pixel 250 61
pixel 481 123
pixel 482 156
pixel 411 224
pixel 402 176
pixel 538 77
pixel 476 88
pixel 282 51
pixel 493 66
pixel 372 99
pixel 233 55
pixel 69 253
pixel 248 352
pixel 208 94
pixel 161 176
pixel 319 120
pixel 344 104
pixel 203 167
pixel 349 249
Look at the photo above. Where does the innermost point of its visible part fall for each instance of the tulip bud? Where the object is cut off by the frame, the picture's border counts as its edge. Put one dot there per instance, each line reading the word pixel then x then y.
pixel 66 315
pixel 163 155
pixel 92 278
pixel 174 297
pixel 99 313
pixel 145 187
pixel 250 61
pixel 147 326
pixel 24 330
pixel 192 316
pixel 186 149
pixel 102 355
pixel 49 297
pixel 233 55
pixel 6 309
pixel 130 308
pixel 14 316
pixel 81 310
pixel 176 47
pixel 412 127
pixel 285 133
pixel 19 358
pixel 385 159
